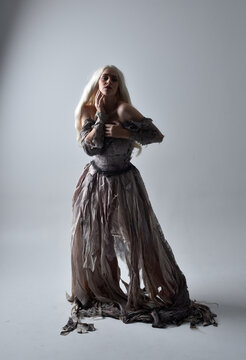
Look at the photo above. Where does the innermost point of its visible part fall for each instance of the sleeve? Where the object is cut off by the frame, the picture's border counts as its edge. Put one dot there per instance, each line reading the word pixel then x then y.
pixel 143 131
pixel 96 146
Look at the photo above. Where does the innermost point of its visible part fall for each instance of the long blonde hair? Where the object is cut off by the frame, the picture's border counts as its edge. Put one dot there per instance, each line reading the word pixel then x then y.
pixel 89 93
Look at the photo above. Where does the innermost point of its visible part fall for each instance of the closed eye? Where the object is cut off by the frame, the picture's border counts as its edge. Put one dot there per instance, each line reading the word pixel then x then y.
pixel 113 78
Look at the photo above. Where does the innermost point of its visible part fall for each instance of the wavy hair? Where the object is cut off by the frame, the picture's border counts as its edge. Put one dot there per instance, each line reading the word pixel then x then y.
pixel 89 93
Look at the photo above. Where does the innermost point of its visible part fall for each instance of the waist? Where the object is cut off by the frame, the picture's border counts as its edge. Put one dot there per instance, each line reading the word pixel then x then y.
pixel 112 172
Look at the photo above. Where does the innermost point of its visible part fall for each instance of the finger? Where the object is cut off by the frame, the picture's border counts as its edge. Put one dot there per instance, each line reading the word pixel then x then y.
pixel 107 129
pixel 96 97
pixel 101 99
pixel 98 94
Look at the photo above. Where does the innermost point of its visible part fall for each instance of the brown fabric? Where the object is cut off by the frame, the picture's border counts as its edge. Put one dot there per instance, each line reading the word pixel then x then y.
pixel 113 219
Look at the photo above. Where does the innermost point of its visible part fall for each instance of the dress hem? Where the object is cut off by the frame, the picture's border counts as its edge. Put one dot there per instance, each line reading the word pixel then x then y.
pixel 196 313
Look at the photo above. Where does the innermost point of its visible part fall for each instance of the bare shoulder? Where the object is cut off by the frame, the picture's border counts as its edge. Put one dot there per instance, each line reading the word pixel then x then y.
pixel 128 112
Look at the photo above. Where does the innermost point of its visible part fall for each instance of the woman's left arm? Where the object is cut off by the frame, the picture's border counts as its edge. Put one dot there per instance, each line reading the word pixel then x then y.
pixel 140 128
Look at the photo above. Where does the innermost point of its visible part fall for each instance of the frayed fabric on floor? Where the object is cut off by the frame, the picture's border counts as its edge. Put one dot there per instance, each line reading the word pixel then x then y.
pixel 196 314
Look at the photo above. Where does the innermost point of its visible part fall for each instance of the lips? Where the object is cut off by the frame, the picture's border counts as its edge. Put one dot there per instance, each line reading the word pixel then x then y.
pixel 108 87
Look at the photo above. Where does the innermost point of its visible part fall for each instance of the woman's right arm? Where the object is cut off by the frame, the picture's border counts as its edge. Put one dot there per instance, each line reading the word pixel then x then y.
pixel 92 132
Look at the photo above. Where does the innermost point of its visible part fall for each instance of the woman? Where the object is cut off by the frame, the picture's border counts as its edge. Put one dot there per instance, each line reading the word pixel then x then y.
pixel 113 220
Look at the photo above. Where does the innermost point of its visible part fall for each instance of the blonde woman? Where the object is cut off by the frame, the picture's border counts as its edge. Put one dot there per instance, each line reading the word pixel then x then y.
pixel 113 220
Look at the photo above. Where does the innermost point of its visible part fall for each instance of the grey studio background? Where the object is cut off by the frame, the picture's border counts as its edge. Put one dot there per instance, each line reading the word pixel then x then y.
pixel 184 64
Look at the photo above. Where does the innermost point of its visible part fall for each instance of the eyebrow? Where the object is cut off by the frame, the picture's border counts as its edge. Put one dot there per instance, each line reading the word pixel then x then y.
pixel 109 74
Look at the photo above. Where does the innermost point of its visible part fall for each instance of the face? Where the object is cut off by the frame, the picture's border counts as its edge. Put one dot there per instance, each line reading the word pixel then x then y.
pixel 108 82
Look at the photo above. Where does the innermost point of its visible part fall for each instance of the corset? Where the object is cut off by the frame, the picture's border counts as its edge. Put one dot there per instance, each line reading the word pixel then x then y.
pixel 115 158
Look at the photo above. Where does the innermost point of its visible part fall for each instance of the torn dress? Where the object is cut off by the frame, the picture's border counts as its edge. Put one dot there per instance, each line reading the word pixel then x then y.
pixel 112 222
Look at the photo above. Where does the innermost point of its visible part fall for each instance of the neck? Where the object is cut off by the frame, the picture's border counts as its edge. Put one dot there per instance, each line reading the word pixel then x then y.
pixel 109 103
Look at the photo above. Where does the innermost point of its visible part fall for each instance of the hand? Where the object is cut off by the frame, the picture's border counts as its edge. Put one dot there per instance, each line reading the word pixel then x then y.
pixel 116 130
pixel 99 101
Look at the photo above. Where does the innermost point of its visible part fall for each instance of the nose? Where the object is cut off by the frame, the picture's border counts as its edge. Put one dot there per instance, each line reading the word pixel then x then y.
pixel 108 83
